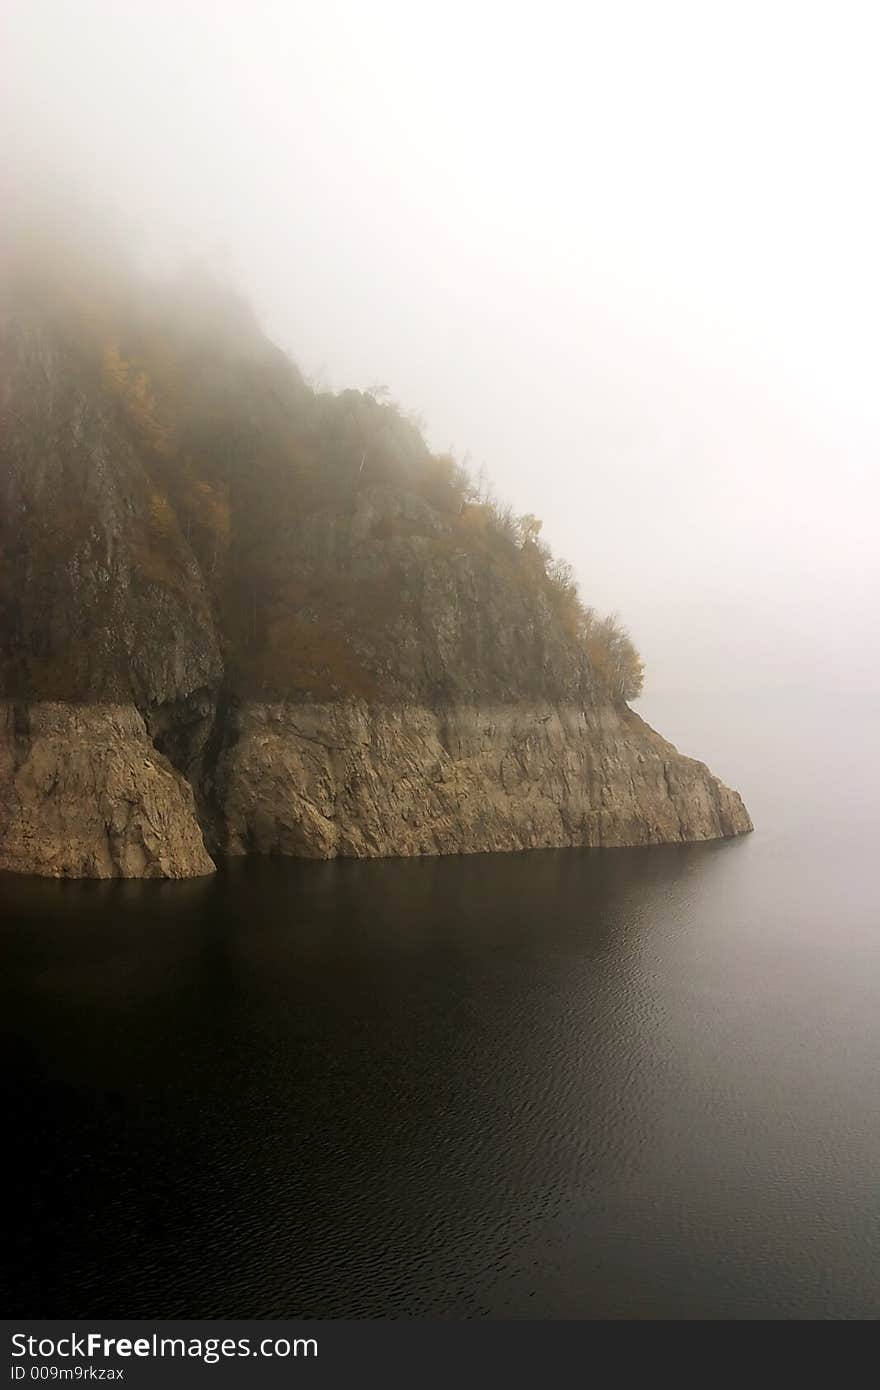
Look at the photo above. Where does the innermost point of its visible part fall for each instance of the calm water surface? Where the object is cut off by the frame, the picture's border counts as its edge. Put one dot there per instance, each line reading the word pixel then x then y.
pixel 577 1083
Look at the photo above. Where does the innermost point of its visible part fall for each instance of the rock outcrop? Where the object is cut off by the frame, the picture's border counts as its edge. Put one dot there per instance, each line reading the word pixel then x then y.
pixel 240 613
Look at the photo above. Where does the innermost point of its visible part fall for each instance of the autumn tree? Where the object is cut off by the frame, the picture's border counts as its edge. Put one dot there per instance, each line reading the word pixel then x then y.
pixel 613 655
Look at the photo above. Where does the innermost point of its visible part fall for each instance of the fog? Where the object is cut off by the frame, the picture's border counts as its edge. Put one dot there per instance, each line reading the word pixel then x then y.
pixel 623 257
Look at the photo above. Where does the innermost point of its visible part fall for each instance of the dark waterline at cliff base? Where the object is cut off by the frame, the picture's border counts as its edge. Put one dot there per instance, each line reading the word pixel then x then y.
pixel 566 1083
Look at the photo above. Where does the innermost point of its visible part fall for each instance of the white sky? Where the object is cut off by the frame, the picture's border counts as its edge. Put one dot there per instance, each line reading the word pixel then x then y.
pixel 625 255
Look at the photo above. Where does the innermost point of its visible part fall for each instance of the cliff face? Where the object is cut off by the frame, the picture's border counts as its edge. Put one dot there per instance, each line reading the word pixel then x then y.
pixel 85 794
pixel 326 780
pixel 235 611
pixel 99 599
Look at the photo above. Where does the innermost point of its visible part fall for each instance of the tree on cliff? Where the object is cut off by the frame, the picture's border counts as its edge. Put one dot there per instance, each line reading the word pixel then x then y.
pixel 616 663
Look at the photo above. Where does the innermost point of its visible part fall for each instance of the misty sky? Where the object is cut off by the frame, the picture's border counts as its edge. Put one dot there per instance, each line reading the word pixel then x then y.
pixel 625 256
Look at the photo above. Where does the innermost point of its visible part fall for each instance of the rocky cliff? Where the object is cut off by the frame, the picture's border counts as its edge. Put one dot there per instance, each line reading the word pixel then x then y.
pixel 238 613
pixel 85 794
pixel 325 780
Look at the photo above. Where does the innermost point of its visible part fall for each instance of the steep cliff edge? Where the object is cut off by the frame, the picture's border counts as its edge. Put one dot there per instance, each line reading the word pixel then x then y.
pixel 236 611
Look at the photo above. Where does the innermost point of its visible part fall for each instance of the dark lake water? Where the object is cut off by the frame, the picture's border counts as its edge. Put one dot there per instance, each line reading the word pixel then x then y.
pixel 633 1083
